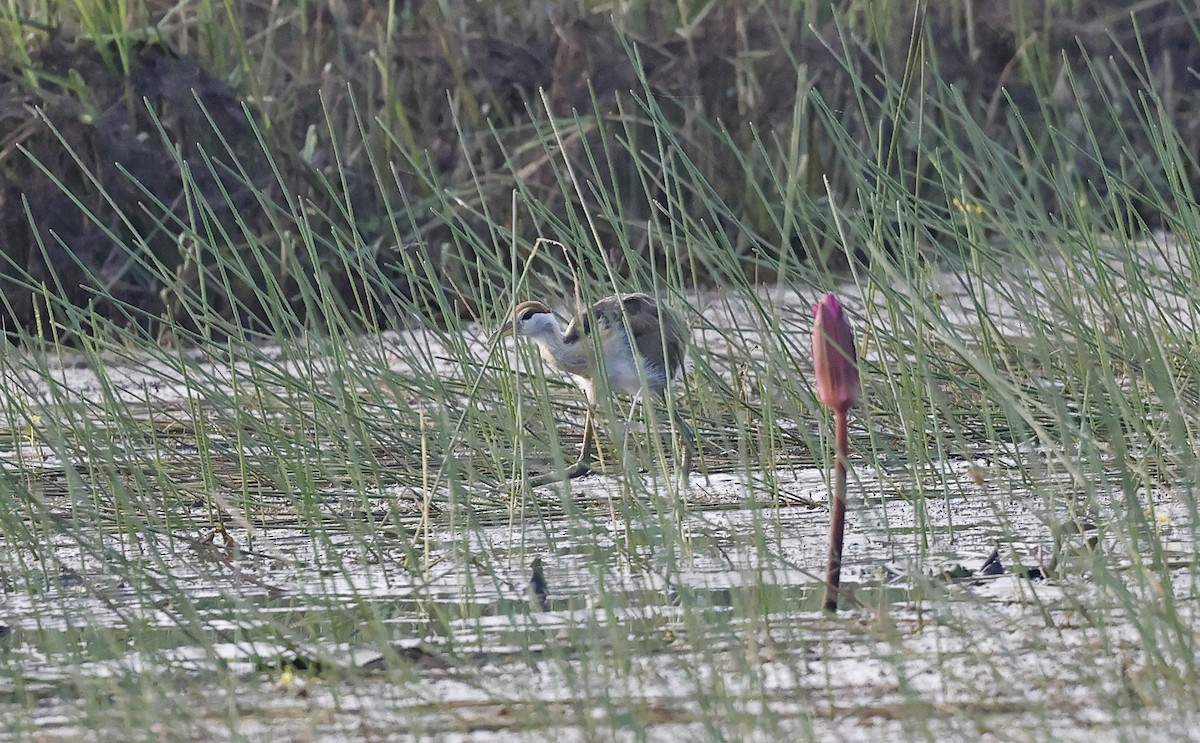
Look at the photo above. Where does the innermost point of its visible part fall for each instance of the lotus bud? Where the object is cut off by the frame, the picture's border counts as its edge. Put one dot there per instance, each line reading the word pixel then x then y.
pixel 834 359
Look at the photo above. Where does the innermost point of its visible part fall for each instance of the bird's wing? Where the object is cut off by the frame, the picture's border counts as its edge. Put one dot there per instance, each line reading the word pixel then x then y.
pixel 655 330
pixel 645 319
pixel 676 341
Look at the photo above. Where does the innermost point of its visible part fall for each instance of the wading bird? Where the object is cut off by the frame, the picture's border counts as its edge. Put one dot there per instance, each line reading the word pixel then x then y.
pixel 623 343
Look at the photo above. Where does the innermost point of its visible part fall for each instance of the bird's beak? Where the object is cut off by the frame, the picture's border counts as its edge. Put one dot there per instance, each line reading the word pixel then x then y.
pixel 505 330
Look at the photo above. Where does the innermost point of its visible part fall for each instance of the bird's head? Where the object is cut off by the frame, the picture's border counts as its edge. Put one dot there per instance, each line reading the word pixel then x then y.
pixel 530 319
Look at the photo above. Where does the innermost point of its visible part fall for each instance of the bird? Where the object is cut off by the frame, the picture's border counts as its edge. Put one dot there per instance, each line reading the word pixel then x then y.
pixel 622 343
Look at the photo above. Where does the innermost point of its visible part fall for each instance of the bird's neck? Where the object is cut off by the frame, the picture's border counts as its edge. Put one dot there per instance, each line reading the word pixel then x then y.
pixel 570 357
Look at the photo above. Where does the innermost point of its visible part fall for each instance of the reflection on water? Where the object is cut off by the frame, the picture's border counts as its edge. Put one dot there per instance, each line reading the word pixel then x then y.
pixel 444 628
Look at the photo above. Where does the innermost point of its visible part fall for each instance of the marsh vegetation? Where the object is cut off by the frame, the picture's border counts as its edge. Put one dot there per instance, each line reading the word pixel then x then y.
pixel 263 476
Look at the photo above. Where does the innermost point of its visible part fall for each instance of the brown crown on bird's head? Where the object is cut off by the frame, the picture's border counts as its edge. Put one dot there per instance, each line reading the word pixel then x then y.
pixel 522 315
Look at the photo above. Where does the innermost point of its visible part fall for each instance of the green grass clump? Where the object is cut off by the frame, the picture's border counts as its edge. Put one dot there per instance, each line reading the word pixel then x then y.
pixel 284 495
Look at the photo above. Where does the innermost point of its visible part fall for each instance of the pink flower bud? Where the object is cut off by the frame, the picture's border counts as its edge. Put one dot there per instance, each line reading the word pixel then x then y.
pixel 834 359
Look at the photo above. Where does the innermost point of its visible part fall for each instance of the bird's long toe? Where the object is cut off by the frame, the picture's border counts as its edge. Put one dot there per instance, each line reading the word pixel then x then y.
pixel 579 469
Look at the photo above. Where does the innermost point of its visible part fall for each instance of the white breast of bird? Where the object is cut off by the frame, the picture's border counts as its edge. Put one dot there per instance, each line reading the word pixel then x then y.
pixel 621 371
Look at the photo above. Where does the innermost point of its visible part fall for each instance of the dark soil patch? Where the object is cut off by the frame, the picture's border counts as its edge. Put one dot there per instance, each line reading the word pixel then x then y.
pixel 94 212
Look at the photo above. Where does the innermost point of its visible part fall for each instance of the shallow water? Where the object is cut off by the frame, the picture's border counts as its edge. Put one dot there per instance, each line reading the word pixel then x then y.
pixel 354 606
pixel 722 633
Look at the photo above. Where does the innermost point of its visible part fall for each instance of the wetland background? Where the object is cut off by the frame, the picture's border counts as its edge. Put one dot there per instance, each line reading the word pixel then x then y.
pixel 255 447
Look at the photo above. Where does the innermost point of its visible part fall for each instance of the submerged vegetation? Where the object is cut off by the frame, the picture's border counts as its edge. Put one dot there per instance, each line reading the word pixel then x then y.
pixel 263 476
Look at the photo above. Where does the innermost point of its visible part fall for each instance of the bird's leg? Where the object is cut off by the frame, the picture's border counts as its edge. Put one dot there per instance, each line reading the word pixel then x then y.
pixel 678 427
pixel 588 447
pixel 582 466
pixel 627 426
pixel 685 432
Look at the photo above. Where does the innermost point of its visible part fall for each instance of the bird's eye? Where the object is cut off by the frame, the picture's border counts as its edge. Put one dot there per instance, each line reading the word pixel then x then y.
pixel 528 314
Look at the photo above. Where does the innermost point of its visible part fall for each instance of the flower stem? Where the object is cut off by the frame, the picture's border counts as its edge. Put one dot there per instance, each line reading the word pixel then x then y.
pixel 837 518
